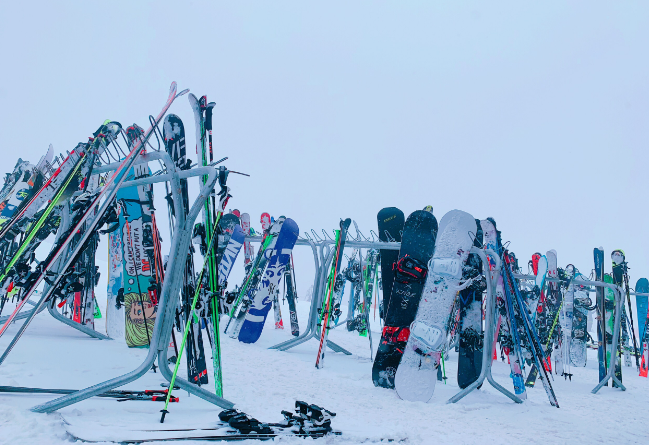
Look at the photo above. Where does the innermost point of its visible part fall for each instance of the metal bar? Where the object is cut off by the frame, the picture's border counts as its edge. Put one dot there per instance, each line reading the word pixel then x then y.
pixel 617 291
pixel 488 340
pixel 307 332
pixel 160 338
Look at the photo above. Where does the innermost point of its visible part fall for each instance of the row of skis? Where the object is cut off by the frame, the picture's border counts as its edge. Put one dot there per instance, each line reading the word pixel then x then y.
pixel 64 203
pixel 432 288
pixel 433 303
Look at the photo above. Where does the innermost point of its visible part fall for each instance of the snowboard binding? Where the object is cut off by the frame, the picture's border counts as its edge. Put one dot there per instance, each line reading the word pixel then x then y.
pixel 409 269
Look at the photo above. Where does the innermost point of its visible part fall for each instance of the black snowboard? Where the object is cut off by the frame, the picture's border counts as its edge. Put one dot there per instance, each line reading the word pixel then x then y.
pixel 390 221
pixel 417 245
pixel 471 344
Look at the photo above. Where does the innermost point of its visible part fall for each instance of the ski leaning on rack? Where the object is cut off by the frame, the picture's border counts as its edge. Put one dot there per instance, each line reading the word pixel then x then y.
pixel 224 196
pixel 598 256
pixel 246 293
pixel 18 256
pixel 107 193
pixel 256 317
pixel 399 309
pixel 326 317
pixel 505 333
pixel 175 145
pixel 535 348
pixel 417 373
pixel 291 297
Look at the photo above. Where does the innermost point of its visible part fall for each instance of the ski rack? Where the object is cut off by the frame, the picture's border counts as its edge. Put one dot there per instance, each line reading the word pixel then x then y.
pixel 319 286
pixel 170 287
pixel 63 227
pixel 317 257
pixel 488 334
pixel 65 224
pixel 617 291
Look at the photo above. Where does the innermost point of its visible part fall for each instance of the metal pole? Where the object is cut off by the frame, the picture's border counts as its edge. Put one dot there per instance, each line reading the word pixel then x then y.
pixel 488 335
pixel 617 291
pixel 169 292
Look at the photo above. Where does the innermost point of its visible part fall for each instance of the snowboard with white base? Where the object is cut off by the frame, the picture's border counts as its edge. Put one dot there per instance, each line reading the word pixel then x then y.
pixel 417 373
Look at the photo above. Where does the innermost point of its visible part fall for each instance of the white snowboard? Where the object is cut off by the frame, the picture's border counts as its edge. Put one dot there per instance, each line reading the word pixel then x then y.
pixel 417 372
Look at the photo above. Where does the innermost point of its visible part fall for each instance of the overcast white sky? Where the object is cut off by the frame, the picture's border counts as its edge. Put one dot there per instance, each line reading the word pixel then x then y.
pixel 533 113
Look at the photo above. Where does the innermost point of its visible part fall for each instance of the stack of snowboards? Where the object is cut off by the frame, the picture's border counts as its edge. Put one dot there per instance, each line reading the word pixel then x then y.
pixel 400 307
pixel 253 323
pixel 417 372
pixel 471 343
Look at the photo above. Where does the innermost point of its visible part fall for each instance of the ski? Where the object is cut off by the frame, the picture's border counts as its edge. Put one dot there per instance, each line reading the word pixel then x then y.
pixel 326 311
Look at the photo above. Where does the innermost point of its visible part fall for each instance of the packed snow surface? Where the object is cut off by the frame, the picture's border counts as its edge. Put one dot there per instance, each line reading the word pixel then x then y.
pixel 263 382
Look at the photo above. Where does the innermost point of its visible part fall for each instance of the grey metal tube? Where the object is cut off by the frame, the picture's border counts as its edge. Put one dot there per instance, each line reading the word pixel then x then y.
pixel 157 337
pixel 485 372
pixel 617 291
pixel 308 331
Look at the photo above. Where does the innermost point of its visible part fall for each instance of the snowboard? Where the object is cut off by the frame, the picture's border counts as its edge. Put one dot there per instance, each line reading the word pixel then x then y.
pixel 248 249
pixel 566 320
pixel 137 250
pixel 390 223
pixel 642 305
pixel 471 343
pixel 400 308
pixel 578 343
pixel 230 253
pixel 620 278
pixel 255 318
pixel 417 372
pixel 115 319
pixel 610 325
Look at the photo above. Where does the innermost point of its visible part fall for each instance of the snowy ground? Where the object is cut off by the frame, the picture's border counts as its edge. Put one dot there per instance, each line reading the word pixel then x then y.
pixel 262 382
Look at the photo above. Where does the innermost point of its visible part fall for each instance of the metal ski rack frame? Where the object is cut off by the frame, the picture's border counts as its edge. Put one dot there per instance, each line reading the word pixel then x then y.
pixel 315 248
pixel 617 291
pixel 65 223
pixel 170 287
pixel 488 335
pixel 319 286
